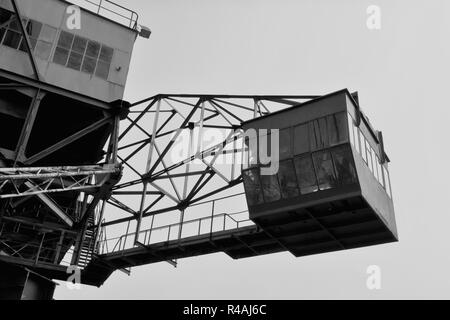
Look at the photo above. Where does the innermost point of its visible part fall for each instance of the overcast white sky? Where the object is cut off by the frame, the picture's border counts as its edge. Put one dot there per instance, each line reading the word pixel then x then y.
pixel 311 47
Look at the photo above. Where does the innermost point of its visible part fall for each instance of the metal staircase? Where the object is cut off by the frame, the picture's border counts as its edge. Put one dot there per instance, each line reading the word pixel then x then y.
pixel 87 249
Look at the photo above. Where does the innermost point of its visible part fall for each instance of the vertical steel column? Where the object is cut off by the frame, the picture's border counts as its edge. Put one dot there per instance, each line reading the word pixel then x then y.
pixel 59 246
pixel 40 248
pixel 99 224
pixel 27 40
pixel 148 166
pixel 99 6
pixel 212 217
pixel 28 126
pixel 114 142
pixel 186 178
pixel 180 229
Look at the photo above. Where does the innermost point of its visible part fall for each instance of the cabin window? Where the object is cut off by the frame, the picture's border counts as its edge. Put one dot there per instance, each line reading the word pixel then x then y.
pixel 41 36
pixel 45 40
pixel 76 53
pixel 351 130
pixel 387 181
pixel 253 187
pixel 63 48
pixel 318 134
pixel 48 33
pixel 104 62
pixel 12 39
pixel 252 151
pixel 345 168
pixel 362 140
pixel 285 144
pixel 374 161
pixel 271 188
pixel 369 156
pixel 33 29
pixel 75 60
pixel 90 59
pixel 357 140
pixel 5 15
pixel 337 128
pixel 288 180
pixel 84 55
pixel 377 167
pixel 326 174
pixel 301 139
pixel 4 18
pixel 305 174
pixel 245 153
pixel 13 35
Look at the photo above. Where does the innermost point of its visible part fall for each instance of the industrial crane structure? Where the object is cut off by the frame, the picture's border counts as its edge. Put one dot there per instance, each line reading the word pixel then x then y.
pixel 91 183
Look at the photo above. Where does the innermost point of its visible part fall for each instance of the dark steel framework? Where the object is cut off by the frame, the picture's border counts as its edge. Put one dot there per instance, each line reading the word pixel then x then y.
pixel 144 150
pixel 172 115
pixel 161 120
pixel 20 181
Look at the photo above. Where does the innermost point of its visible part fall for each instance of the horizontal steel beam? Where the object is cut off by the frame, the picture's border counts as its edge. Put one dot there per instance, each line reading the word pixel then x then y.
pixel 52 206
pixel 36 84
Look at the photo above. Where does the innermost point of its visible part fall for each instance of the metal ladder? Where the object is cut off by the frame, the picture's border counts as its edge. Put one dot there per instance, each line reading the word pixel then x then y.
pixel 88 246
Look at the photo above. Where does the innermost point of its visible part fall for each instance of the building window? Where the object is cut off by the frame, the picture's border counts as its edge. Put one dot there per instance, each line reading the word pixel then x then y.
pixel 306 175
pixel 41 36
pixel 345 167
pixel 250 152
pixel 33 30
pixel 252 186
pixel 321 133
pixel 357 140
pixel 377 166
pixel 351 129
pixel 45 41
pixel 301 139
pixel 362 139
pixel 5 16
pixel 84 55
pixel 288 180
pixel 318 134
pixel 326 174
pixel 285 144
pixel 104 62
pixel 271 188
pixel 369 156
pixel 337 128
pixel 13 36
pixel 387 181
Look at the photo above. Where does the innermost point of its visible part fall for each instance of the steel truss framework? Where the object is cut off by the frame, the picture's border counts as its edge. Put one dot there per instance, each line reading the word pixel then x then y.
pixel 156 178
pixel 22 183
pixel 46 180
pixel 144 149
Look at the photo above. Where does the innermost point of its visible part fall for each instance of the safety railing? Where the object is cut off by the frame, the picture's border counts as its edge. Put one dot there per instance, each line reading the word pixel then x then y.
pixel 42 254
pixel 111 10
pixel 176 231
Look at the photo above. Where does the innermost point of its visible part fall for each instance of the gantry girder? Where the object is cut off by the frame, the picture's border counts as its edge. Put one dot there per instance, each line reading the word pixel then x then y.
pixel 159 188
pixel 47 180
pixel 168 187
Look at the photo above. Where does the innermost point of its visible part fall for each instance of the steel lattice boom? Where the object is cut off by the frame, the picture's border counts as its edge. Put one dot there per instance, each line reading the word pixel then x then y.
pixel 48 180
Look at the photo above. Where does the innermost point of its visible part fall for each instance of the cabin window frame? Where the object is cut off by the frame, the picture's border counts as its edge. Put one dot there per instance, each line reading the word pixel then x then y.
pixel 103 59
pixel 292 174
pixel 260 200
pixel 41 43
